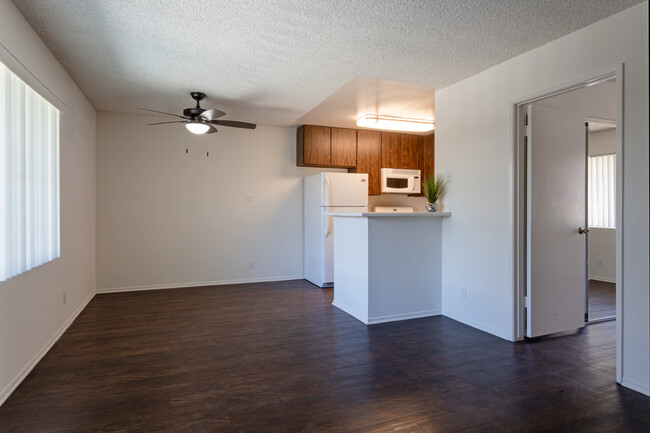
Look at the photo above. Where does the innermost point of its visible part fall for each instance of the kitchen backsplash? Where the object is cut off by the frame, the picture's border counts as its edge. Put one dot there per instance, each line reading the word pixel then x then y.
pixel 417 203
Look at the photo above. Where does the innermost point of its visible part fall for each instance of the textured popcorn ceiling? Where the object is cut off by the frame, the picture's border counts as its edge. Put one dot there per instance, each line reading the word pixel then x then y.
pixel 274 62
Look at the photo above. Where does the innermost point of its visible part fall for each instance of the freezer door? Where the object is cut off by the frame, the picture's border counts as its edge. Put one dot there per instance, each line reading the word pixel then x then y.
pixel 345 189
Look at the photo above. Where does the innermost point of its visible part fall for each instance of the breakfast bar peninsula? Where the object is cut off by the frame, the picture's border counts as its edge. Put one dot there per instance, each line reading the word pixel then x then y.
pixel 387 266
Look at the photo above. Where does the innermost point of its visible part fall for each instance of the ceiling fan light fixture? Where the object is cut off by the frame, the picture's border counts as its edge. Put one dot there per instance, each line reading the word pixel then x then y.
pixel 197 127
pixel 394 123
pixel 200 121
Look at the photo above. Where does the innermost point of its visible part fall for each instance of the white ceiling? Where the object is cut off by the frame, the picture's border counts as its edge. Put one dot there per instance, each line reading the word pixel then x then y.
pixel 274 62
pixel 367 96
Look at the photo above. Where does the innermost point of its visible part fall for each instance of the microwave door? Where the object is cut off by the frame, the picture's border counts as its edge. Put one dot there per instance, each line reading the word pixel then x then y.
pixel 397 183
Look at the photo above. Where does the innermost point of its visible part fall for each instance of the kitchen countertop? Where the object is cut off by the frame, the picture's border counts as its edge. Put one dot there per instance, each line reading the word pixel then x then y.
pixel 391 214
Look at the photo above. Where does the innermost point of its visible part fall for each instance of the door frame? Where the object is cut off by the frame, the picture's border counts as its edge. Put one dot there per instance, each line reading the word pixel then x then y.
pixel 517 120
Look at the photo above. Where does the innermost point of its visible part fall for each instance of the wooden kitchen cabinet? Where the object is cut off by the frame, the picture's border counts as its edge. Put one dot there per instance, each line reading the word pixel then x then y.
pixel 322 146
pixel 411 155
pixel 390 150
pixel 369 159
pixel 313 145
pixel 343 149
pixel 364 151
pixel 429 155
pixel 408 152
pixel 401 151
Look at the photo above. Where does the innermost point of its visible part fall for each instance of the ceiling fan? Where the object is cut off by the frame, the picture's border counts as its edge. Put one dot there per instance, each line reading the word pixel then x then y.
pixel 198 120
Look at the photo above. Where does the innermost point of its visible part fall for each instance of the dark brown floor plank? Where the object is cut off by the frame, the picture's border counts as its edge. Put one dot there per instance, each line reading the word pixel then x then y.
pixel 602 300
pixel 277 357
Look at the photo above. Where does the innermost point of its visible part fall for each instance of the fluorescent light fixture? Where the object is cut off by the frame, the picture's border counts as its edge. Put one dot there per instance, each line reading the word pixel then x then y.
pixel 197 127
pixel 394 123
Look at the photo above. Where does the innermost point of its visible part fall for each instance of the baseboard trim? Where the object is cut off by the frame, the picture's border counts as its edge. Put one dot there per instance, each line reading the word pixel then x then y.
pixel 385 319
pixel 17 380
pixel 352 312
pixel 404 316
pixel 603 279
pixel 643 388
pixel 197 284
pixel 479 326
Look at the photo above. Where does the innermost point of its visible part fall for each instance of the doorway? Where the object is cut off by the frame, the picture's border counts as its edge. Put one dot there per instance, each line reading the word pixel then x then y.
pixel 601 211
pixel 524 244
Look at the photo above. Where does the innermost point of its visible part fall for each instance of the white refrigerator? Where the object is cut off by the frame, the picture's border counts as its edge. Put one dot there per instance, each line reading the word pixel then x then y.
pixel 328 192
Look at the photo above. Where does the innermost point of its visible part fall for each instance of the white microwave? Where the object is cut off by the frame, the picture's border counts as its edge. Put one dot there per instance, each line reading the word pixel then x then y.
pixel 399 181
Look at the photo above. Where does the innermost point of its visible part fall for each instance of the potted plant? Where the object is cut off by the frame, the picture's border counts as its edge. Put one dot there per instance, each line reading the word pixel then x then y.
pixel 434 189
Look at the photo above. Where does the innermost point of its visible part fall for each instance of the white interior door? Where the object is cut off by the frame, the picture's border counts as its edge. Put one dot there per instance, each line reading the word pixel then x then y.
pixel 556 193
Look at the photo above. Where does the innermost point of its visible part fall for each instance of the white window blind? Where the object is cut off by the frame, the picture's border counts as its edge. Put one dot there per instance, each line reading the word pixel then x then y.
pixel 29 177
pixel 602 191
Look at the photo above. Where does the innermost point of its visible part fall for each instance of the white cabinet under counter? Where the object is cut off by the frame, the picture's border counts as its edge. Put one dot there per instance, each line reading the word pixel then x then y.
pixel 387 266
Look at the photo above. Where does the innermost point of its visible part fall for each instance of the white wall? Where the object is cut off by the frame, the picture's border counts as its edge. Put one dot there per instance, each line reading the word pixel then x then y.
pixel 602 254
pixel 474 140
pixel 32 313
pixel 602 142
pixel 168 219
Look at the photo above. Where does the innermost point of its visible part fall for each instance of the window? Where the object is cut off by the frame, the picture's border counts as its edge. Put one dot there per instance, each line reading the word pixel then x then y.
pixel 602 191
pixel 29 177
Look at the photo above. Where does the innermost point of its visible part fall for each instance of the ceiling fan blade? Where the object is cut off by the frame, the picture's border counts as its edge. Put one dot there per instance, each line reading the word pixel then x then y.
pixel 234 124
pixel 161 123
pixel 212 130
pixel 162 112
pixel 211 114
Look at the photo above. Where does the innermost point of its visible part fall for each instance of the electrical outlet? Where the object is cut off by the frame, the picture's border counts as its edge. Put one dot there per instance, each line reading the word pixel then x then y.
pixel 599 262
pixel 249 197
pixel 448 177
pixel 463 292
pixel 65 298
pixel 251 264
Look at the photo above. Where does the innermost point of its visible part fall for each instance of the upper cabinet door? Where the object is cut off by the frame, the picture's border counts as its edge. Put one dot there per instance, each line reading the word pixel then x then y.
pixel 402 151
pixel 369 159
pixel 429 155
pixel 343 151
pixel 411 152
pixel 316 145
pixel 391 154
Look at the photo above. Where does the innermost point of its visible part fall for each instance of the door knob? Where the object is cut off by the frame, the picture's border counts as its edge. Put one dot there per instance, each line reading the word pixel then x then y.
pixel 583 230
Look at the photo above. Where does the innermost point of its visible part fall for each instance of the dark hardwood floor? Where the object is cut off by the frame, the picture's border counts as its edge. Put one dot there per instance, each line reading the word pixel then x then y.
pixel 602 300
pixel 277 357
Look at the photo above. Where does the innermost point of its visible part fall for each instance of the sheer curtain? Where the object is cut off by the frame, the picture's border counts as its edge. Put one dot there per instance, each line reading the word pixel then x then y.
pixel 29 177
pixel 602 191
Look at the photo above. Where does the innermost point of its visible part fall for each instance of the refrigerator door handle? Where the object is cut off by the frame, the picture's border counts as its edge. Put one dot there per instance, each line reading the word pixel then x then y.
pixel 327 189
pixel 326 223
